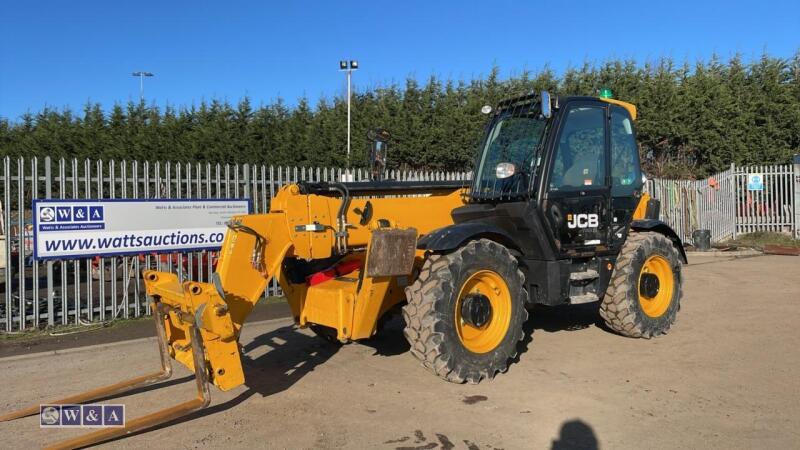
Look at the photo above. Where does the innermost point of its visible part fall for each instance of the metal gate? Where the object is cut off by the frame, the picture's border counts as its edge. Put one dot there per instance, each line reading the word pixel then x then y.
pixel 773 207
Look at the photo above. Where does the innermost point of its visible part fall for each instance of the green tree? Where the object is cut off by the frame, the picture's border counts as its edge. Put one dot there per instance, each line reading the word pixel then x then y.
pixel 694 119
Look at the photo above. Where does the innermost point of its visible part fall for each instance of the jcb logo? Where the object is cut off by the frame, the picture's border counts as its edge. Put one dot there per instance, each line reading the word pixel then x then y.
pixel 583 220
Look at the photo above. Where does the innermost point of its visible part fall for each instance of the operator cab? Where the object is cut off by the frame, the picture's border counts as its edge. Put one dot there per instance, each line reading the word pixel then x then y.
pixel 559 180
pixel 577 160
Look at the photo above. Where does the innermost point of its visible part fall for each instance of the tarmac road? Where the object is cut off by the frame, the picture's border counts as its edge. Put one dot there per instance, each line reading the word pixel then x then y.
pixel 727 376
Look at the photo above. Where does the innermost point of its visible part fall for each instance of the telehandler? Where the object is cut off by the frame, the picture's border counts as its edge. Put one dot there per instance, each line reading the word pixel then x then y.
pixel 554 214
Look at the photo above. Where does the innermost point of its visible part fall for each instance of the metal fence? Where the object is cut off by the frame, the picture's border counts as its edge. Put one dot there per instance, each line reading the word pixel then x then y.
pixel 688 205
pixel 724 204
pixel 36 293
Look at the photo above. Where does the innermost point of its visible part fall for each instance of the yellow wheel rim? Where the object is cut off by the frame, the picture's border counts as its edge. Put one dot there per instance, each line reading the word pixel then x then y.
pixel 655 298
pixel 487 337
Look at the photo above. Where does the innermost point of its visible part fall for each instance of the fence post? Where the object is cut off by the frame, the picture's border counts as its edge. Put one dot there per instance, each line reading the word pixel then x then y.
pixel 734 199
pixel 48 182
pixel 796 198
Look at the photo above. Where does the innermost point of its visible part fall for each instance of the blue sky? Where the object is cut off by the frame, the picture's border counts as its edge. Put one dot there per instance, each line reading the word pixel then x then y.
pixel 63 53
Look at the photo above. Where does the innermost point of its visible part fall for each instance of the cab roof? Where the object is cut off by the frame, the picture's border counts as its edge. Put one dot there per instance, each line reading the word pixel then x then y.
pixel 530 98
pixel 630 107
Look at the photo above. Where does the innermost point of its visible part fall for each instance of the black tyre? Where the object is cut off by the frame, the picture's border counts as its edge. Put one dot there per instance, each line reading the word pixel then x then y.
pixel 643 297
pixel 465 312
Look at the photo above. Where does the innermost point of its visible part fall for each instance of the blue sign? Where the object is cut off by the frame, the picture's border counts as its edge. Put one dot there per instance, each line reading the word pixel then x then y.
pixel 67 218
pixel 755 182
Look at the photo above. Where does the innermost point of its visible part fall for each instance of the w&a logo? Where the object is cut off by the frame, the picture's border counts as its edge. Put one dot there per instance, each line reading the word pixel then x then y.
pixel 91 416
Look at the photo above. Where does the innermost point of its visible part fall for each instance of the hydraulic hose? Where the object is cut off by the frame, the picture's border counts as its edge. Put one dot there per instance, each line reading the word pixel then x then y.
pixel 341 232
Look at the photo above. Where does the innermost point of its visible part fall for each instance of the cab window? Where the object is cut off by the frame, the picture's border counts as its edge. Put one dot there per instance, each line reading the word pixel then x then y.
pixel 579 160
pixel 626 176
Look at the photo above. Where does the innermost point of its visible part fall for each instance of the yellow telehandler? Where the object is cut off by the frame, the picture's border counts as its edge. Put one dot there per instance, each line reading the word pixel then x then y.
pixel 554 213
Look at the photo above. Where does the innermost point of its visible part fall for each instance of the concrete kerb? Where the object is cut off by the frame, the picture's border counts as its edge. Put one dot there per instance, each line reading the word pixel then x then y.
pixel 113 344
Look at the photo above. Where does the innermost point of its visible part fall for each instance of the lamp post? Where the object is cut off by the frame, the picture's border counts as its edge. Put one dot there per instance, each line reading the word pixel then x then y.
pixel 141 76
pixel 348 67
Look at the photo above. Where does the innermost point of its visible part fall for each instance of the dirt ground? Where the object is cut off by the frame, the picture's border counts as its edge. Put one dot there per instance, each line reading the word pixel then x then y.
pixel 727 376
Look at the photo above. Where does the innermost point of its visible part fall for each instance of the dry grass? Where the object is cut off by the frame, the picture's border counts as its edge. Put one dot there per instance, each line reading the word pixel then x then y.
pixel 760 239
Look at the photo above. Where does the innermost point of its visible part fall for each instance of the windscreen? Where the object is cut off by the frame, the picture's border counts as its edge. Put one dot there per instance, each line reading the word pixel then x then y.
pixel 509 154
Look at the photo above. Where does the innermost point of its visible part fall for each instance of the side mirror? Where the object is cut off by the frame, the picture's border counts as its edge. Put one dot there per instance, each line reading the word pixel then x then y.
pixel 379 149
pixel 547 107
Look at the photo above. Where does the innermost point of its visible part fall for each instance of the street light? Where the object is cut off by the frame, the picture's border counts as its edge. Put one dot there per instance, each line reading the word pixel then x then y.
pixel 349 67
pixel 141 76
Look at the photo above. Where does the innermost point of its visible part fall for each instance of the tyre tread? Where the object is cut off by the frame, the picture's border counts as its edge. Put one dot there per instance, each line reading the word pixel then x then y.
pixel 620 308
pixel 424 322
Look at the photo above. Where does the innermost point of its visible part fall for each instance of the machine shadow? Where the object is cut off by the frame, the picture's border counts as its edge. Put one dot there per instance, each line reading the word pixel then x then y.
pixel 553 319
pixel 389 341
pixel 148 388
pixel 288 355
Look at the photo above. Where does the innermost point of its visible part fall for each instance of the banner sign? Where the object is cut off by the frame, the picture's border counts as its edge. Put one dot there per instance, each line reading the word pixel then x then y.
pixel 66 229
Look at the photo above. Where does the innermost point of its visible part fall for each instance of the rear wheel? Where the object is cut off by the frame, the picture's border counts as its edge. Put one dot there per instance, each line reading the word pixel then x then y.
pixel 644 295
pixel 465 312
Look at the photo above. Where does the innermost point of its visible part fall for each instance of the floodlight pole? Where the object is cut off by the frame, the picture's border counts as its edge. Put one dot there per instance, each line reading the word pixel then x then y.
pixel 348 66
pixel 349 74
pixel 141 74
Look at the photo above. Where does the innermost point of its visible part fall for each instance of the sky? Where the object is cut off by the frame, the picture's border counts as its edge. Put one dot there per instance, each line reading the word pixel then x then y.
pixel 65 53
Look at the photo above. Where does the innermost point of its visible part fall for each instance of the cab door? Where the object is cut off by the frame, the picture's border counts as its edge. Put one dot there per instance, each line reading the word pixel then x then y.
pixel 626 175
pixel 576 200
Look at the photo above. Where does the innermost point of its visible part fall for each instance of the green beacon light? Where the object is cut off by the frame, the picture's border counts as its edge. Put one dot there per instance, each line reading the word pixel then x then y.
pixel 605 93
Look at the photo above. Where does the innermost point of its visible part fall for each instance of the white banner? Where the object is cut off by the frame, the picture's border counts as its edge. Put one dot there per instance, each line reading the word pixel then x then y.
pixel 65 229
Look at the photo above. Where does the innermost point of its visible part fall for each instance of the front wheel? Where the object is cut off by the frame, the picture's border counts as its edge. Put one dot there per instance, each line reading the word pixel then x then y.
pixel 644 294
pixel 465 312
